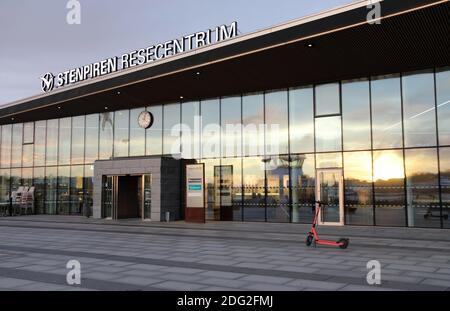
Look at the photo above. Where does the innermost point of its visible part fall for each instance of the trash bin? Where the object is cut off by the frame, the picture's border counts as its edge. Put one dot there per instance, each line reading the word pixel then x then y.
pixel 167 216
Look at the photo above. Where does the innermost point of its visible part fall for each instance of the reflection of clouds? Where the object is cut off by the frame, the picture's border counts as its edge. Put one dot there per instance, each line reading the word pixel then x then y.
pixel 418 115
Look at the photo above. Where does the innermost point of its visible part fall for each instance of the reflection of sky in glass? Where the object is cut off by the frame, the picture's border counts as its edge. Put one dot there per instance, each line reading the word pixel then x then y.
pixel 418 107
pixel 356 115
pixel 443 100
pixel 328 134
pixel 386 112
pixel 388 165
pixel 301 119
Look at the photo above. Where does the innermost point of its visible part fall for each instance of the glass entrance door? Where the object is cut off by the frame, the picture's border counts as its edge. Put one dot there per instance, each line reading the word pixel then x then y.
pixel 146 197
pixel 330 192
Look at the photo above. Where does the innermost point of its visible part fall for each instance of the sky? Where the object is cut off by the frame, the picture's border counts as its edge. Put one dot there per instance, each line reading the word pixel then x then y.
pixel 35 37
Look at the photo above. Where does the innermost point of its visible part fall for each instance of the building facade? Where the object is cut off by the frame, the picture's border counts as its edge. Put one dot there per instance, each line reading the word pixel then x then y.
pixel 374 146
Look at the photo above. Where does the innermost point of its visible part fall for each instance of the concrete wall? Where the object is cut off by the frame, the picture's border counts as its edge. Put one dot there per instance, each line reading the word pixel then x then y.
pixel 165 182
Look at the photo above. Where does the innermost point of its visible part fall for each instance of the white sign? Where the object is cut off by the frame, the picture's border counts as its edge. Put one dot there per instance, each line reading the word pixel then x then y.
pixel 195 186
pixel 139 57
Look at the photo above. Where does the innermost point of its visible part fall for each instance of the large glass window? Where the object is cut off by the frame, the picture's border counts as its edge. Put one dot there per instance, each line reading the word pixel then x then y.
pixel 328 134
pixel 231 198
pixel 91 152
pixel 39 143
pixel 277 128
pixel 51 152
pixel 106 135
pixel 444 155
pixel 16 148
pixel 327 99
pixel 76 189
pixel 137 134
pixel 212 191
pixel 51 184
pixel 253 122
pixel 28 133
pixel 171 137
pixel 27 155
pixel 39 189
pixel 121 133
pixel 5 152
pixel 254 189
pixel 210 128
pixel 301 119
pixel 356 115
pixel 422 188
pixel 154 133
pixel 78 140
pixel 277 175
pixel 386 112
pixel 27 177
pixel 389 182
pixel 16 179
pixel 443 104
pixel 64 140
pixel 89 185
pixel 303 178
pixel 418 109
pixel 329 160
pixel 190 136
pixel 231 115
pixel 63 190
pixel 358 188
pixel 4 189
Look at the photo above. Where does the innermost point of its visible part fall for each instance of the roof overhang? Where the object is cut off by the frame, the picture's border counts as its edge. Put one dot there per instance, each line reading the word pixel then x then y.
pixel 412 35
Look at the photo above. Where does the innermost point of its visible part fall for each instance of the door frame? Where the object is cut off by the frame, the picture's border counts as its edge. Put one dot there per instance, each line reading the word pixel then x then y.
pixel 341 195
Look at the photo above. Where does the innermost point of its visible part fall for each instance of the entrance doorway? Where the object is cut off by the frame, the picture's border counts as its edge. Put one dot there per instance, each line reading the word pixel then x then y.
pixel 330 191
pixel 126 196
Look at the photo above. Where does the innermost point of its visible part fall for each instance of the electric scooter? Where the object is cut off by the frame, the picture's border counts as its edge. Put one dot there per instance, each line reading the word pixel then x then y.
pixel 313 237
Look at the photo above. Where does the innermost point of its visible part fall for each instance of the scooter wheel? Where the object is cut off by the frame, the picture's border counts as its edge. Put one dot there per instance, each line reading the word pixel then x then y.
pixel 309 240
pixel 343 243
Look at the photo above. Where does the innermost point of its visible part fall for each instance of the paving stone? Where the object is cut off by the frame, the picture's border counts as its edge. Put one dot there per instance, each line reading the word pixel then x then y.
pixel 411 268
pixel 12 283
pixel 435 282
pixel 221 274
pixel 316 284
pixel 265 279
pixel 179 286
pixel 269 287
pixel 144 281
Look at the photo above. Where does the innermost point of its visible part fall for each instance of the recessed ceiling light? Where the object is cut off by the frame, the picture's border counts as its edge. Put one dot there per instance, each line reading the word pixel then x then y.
pixel 181 97
pixel 59 107
pixel 310 45
pixel 118 92
pixel 198 73
pixel 106 108
pixel 12 119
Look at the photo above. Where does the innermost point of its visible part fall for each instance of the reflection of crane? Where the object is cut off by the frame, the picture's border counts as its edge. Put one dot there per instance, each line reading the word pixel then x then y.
pixel 296 164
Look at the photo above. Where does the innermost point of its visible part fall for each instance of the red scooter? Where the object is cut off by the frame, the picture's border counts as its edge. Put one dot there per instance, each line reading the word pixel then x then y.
pixel 313 237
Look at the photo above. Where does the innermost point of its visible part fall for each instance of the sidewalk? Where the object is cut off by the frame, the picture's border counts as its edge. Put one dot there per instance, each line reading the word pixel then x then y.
pixel 135 255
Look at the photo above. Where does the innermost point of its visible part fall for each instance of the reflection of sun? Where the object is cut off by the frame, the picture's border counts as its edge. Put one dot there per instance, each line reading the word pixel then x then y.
pixel 388 166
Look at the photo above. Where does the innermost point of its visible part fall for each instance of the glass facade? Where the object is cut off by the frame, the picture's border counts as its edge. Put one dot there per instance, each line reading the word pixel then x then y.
pixel 389 135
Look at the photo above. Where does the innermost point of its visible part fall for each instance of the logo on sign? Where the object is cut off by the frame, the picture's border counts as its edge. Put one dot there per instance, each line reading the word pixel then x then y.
pixel 48 82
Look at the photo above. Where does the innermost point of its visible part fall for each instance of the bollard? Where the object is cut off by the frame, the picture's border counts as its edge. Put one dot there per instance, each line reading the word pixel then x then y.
pixel 167 216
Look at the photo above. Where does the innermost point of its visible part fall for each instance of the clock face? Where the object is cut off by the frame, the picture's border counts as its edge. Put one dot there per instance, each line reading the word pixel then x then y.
pixel 145 119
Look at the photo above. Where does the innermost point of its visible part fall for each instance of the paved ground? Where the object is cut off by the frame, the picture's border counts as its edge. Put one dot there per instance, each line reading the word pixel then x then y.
pixel 131 255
